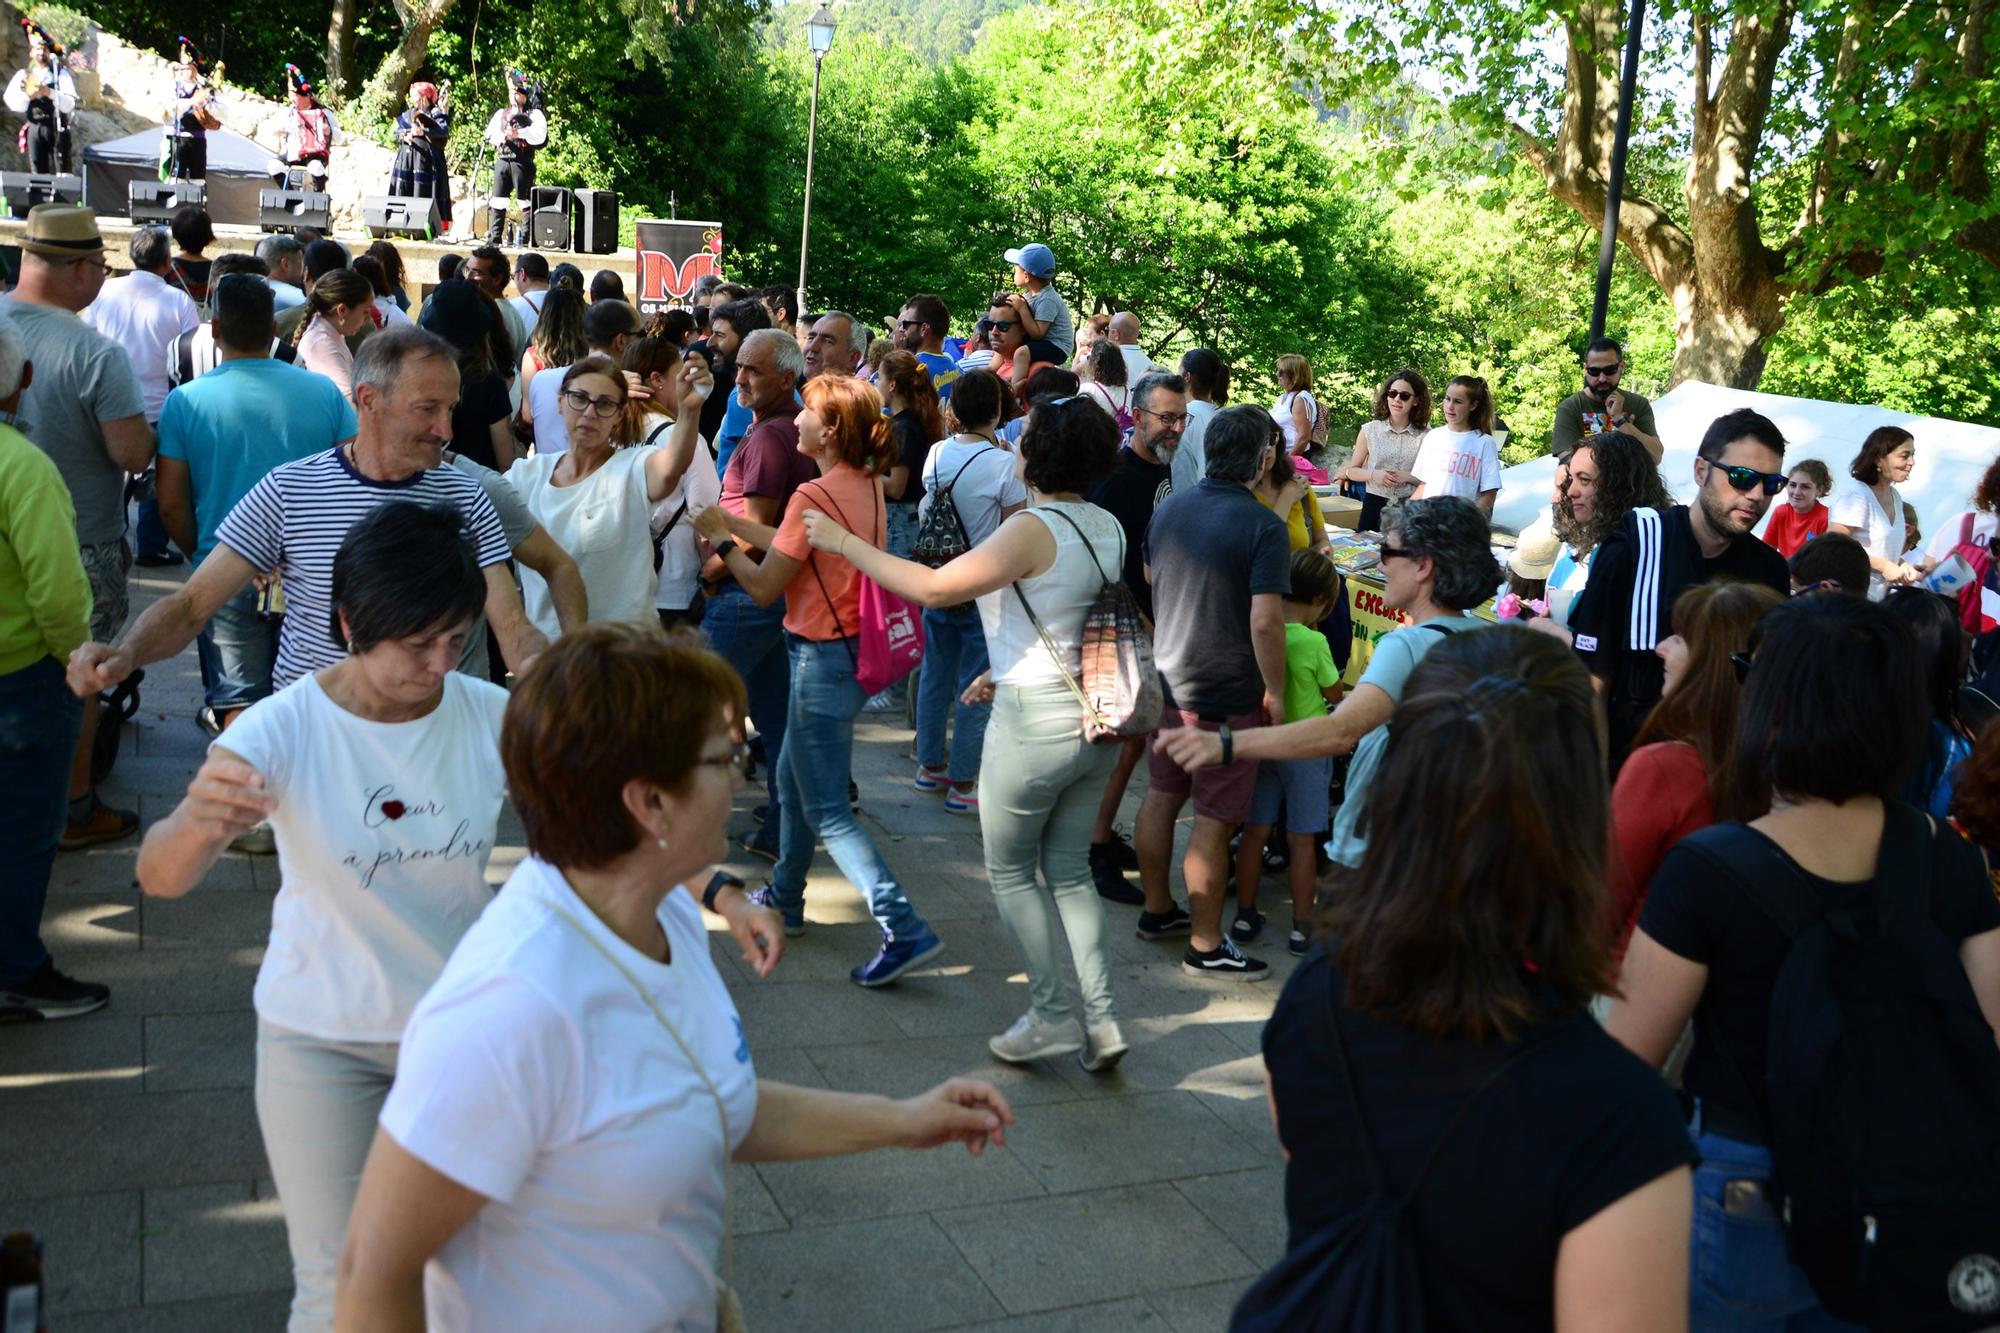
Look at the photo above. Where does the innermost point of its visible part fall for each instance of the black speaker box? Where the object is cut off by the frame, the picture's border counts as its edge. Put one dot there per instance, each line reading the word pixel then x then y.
pixel 596 222
pixel 549 215
pixel 407 215
pixel 22 190
pixel 282 210
pixel 158 201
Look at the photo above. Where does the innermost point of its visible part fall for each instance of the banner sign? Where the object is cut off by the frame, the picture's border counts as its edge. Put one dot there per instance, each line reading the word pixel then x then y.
pixel 672 257
pixel 1373 618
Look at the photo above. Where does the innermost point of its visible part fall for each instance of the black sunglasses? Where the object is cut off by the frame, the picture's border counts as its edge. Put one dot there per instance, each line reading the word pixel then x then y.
pixel 1746 479
pixel 1388 552
pixel 1400 395
pixel 1597 372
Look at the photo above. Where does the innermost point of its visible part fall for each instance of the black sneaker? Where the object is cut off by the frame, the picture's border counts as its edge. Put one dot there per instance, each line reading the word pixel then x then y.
pixel 754 849
pixel 1277 856
pixel 1249 924
pixel 1159 925
pixel 1299 944
pixel 1119 848
pixel 50 994
pixel 760 813
pixel 1112 886
pixel 1227 962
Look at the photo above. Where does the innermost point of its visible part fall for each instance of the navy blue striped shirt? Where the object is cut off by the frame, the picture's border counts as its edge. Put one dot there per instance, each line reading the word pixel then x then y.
pixel 293 521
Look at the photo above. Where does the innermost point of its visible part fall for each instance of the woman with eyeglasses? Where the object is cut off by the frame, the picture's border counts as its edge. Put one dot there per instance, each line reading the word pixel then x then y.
pixel 1385 450
pixel 596 497
pixel 1869 508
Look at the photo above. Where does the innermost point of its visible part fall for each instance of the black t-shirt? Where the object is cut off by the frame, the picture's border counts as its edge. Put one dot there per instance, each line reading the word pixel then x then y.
pixel 1576 1126
pixel 913 445
pixel 1131 493
pixel 482 400
pixel 1617 637
pixel 1706 918
pixel 1213 548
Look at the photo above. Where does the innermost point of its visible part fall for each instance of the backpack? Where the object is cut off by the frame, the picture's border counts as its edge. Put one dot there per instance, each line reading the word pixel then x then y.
pixel 1978 556
pixel 1120 690
pixel 941 537
pixel 1883 1085
pixel 1120 412
pixel 1359 1271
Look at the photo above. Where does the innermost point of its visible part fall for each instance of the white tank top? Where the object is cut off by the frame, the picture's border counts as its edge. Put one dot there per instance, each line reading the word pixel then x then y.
pixel 1061 595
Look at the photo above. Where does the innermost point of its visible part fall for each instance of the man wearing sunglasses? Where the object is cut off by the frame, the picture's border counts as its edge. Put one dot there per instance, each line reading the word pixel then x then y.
pixel 1603 406
pixel 921 329
pixel 1653 556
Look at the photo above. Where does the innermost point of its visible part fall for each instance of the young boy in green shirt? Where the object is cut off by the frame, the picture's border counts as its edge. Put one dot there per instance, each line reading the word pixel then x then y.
pixel 1312 688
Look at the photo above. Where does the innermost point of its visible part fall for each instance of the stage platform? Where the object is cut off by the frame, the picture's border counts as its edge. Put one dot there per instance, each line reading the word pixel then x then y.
pixel 419 257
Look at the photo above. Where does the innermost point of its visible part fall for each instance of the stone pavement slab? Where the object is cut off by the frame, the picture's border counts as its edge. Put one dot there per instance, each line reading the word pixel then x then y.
pixel 1142 1199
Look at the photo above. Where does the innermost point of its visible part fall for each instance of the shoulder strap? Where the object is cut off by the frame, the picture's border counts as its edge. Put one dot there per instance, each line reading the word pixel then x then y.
pixel 1089 549
pixel 1752 862
pixel 977 455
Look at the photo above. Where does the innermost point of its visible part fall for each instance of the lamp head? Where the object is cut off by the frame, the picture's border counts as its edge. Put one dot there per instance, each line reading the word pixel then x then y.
pixel 819 29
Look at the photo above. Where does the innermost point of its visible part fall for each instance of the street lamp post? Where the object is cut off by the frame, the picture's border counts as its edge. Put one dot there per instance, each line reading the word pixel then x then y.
pixel 819 36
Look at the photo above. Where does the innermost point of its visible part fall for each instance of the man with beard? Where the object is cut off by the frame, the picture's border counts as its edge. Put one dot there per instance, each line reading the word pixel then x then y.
pixel 1653 556
pixel 921 329
pixel 725 418
pixel 1602 406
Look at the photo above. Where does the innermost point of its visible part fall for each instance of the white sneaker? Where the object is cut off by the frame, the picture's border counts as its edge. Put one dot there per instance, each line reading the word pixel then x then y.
pixel 1105 1046
pixel 1032 1038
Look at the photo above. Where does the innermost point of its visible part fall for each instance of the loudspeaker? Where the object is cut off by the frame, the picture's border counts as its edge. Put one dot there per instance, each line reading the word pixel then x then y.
pixel 548 217
pixel 408 215
pixel 23 190
pixel 596 222
pixel 282 210
pixel 158 201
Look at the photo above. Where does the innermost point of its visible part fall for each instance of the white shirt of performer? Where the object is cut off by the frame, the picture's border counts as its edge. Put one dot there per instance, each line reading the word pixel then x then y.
pixel 535 133
pixel 16 96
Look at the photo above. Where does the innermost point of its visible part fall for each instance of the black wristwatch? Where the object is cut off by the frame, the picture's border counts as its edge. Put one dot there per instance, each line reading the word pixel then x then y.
pixel 1228 743
pixel 724 547
pixel 717 882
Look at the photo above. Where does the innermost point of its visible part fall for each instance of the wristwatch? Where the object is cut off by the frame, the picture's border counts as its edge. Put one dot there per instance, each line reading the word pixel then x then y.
pixel 1620 421
pixel 724 547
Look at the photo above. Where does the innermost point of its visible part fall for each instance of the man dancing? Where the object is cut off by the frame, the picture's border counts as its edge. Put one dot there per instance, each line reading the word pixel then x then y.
pixel 310 135
pixel 515 131
pixel 421 133
pixel 45 93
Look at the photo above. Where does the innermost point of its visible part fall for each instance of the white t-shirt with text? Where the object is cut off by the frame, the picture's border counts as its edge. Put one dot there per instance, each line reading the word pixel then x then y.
pixel 383 830
pixel 1461 463
pixel 535 1074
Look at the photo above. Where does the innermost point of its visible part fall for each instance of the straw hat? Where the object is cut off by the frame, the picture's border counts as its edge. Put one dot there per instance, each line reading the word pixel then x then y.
pixel 62 231
pixel 1536 550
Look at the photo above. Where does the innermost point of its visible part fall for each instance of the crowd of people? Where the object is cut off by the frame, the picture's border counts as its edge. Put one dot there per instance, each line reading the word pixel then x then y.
pixel 538 549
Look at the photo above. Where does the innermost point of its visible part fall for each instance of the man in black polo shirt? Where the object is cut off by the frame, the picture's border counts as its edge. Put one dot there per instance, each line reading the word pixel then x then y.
pixel 1650 558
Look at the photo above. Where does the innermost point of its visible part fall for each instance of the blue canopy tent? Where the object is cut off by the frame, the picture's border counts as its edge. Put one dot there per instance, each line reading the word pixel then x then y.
pixel 237 170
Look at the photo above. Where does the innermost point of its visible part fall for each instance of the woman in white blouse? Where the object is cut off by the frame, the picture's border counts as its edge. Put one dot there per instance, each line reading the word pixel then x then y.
pixel 555 1153
pixel 596 498
pixel 657 363
pixel 1869 508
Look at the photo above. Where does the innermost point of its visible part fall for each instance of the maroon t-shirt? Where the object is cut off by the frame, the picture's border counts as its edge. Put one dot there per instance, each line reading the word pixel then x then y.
pixel 767 463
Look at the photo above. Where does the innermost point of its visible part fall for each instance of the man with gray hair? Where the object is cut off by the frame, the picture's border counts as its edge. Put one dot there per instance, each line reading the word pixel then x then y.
pixel 758 483
pixel 836 345
pixel 286 259
pixel 1220 564
pixel 292 522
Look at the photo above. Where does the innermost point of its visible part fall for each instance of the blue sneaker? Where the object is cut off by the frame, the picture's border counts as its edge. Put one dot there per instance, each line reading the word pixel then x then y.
pixel 897 957
pixel 795 917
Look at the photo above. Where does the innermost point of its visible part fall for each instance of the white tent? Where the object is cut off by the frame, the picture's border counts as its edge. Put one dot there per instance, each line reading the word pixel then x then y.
pixel 1951 455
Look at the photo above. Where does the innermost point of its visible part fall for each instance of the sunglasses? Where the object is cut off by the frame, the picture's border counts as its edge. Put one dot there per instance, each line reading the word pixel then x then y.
pixel 583 402
pixel 1741 661
pixel 1746 479
pixel 999 325
pixel 1599 372
pixel 1400 395
pixel 1388 552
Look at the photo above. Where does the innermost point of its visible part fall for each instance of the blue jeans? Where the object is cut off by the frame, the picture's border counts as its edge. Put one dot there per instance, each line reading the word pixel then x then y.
pixel 236 650
pixel 39 722
pixel 1741 1277
pixel 954 654
pixel 149 531
pixel 751 638
pixel 813 772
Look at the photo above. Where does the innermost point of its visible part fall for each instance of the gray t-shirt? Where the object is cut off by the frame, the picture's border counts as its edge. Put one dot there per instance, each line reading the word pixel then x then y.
pixel 1211 550
pixel 82 379
pixel 516 523
pixel 1389 668
pixel 1049 306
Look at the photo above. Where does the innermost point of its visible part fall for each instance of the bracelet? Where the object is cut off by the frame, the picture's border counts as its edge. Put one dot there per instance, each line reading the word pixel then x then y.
pixel 723 548
pixel 1228 743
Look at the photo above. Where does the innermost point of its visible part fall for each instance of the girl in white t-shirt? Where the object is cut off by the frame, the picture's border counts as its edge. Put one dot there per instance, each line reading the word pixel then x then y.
pixel 381 780
pixel 555 1153
pixel 1869 508
pixel 1461 457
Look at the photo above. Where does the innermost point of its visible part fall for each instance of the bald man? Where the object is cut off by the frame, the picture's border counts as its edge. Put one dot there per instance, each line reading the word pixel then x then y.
pixel 1124 331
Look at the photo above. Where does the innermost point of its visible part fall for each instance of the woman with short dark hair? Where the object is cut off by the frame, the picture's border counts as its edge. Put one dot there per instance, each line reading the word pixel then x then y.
pixel 1040 780
pixel 1830 729
pixel 380 776
pixel 1942 650
pixel 1869 508
pixel 193 233
pixel 1435 1048
pixel 572 1090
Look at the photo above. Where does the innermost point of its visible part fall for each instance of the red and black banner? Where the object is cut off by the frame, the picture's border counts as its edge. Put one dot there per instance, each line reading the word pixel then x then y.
pixel 672 257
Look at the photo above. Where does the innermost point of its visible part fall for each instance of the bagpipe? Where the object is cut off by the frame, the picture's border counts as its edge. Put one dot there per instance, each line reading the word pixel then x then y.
pixel 207 86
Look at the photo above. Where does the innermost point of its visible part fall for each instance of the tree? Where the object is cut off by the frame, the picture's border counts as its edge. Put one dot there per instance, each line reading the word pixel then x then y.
pixel 1821 147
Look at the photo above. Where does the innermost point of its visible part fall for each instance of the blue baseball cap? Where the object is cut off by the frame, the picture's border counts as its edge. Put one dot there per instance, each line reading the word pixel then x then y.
pixel 1038 259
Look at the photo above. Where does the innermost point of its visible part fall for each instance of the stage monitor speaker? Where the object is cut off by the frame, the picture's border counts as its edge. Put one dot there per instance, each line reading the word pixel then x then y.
pixel 283 210
pixel 549 217
pixel 596 222
pixel 408 215
pixel 158 201
pixel 23 190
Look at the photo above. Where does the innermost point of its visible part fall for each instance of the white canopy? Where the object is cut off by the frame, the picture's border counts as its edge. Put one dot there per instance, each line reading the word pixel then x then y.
pixel 1951 455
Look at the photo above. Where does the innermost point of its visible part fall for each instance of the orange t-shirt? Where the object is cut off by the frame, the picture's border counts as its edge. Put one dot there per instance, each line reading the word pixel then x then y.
pixel 853 499
pixel 1788 529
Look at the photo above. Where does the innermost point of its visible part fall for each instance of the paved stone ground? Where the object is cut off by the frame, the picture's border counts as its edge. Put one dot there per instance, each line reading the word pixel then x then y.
pixel 1145 1199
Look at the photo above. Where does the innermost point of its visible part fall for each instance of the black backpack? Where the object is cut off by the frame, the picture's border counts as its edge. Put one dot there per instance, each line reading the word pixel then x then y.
pixel 941 536
pixel 1882 1084
pixel 1359 1271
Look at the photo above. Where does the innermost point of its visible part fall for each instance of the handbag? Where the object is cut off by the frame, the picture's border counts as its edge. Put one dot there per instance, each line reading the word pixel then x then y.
pixel 891 628
pixel 1120 691
pixel 728 1310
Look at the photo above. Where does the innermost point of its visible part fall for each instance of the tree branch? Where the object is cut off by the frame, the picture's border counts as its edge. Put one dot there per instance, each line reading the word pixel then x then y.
pixel 1660 245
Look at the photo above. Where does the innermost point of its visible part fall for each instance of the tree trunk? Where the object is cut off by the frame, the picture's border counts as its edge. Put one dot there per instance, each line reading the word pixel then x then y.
pixel 340 48
pixel 391 82
pixel 1721 333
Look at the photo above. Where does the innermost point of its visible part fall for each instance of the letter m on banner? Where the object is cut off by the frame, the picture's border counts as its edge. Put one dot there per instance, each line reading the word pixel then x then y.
pixel 673 256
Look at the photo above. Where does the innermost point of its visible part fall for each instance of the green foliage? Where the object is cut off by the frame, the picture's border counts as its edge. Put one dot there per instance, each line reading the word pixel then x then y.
pixel 66 25
pixel 939 31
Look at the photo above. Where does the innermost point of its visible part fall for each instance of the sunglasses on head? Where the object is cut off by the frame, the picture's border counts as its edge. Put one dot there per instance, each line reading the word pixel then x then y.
pixel 1746 479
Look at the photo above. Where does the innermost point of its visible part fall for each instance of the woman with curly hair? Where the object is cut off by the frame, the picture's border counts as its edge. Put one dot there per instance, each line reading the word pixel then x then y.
pixel 1610 475
pixel 1385 451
